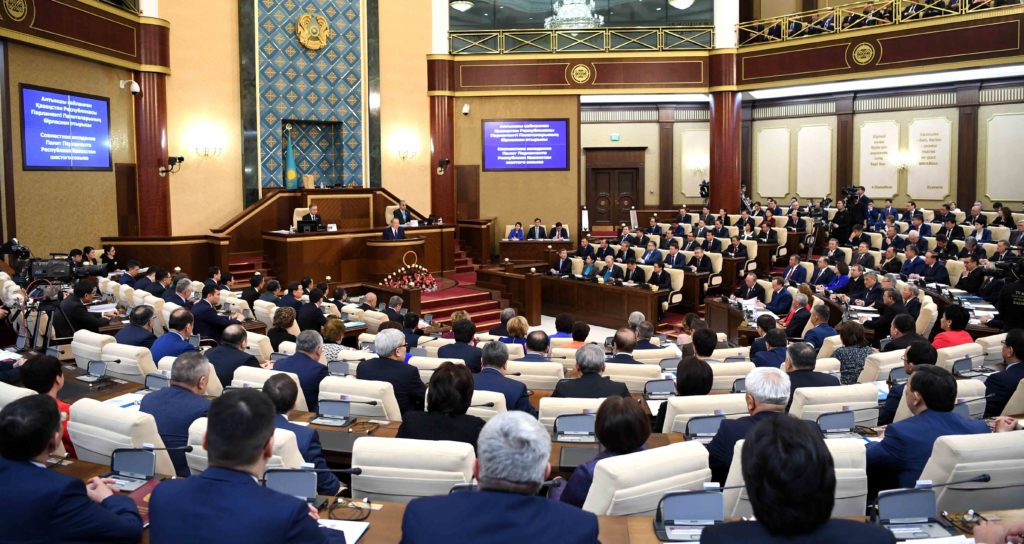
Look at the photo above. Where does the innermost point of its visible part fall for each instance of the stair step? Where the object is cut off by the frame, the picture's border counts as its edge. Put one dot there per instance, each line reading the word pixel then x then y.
pixel 459 269
pixel 455 301
pixel 446 311
pixel 477 317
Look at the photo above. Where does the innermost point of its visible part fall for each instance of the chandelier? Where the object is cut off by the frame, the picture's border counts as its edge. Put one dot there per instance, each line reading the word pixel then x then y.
pixel 461 5
pixel 574 14
pixel 680 4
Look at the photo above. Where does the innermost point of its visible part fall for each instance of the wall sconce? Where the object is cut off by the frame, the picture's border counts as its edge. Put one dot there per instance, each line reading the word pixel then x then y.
pixel 405 153
pixel 207 151
pixel 405 144
pixel 902 161
pixel 205 139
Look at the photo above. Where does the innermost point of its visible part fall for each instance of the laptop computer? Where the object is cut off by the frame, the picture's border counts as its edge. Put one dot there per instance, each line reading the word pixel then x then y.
pixel 156 381
pixel 575 428
pixel 130 469
pixel 682 515
pixel 95 371
pixel 838 424
pixel 333 413
pixel 910 514
pixel 659 389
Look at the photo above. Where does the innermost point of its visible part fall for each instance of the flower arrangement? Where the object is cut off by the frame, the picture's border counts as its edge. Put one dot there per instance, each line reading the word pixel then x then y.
pixel 411 277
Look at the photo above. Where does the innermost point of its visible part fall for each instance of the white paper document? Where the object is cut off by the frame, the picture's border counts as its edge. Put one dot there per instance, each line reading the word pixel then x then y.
pixel 353 529
pixel 102 308
pixel 128 401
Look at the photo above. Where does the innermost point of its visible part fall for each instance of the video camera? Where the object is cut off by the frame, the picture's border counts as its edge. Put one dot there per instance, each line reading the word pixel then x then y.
pixel 705 188
pixel 1012 270
pixel 13 247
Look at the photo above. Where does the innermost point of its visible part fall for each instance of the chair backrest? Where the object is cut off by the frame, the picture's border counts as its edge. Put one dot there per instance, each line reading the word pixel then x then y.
pixel 633 484
pixel 427 365
pixel 811 402
pixel 926 319
pixel 126 362
pixel 480 398
pixel 285 454
pixel 10 393
pixel 725 374
pixel 248 376
pixel 401 469
pixel 543 376
pixel 264 311
pixel 947 356
pixel 828 365
pixel 373 319
pixel 157 303
pixel 634 376
pixel 332 387
pixel 878 365
pixel 654 356
pixel 992 346
pixel 955 268
pixel 286 347
pixel 681 409
pixel 97 429
pixel 966 390
pixel 259 346
pixel 88 346
pixel 850 460
pixel 768 291
pixel 213 386
pixel 297 214
pixel 552 407
pixel 1015 405
pixel 722 354
pixel 564 353
pixel 960 457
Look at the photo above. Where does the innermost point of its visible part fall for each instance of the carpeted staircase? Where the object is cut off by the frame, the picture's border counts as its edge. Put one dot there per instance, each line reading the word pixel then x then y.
pixel 483 311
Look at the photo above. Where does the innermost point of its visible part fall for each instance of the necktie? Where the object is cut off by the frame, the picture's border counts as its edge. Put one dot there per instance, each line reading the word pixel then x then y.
pixel 790 274
pixel 749 291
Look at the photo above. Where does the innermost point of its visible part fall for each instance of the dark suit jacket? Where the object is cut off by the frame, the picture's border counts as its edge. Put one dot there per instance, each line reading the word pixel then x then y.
pixel 839 531
pixel 808 378
pixel 623 359
pixel 721 447
pixel 41 505
pixel 232 504
pixel 409 388
pixel 745 292
pixel 1000 386
pixel 438 426
pixel 403 217
pixel 636 276
pixel 771 237
pixel 289 300
pixel 799 274
pixel 308 441
pixel 81 318
pixel 903 342
pixel 208 323
pixel 897 242
pixel 516 395
pixel 226 359
pixel 703 265
pixel 908 444
pixel 822 276
pixel 773 357
pixel 500 330
pixel 892 266
pixel 249 295
pixel 310 217
pixel 134 335
pixel 651 257
pixel 533 358
pixel 955 233
pixel 781 302
pixel 564 268
pixel 601 253
pixel 740 251
pixel 589 386
pixel 157 289
pixel 555 232
pixel 170 344
pixel 912 307
pixel 817 335
pixel 795 329
pixel 582 252
pixel 277 336
pixel 674 261
pixel 309 317
pixel 310 374
pixel 883 322
pixel 971 282
pixel 174 409
pixel 461 350
pixel 500 518
pixel 616 274
pixel 391 235
pixel 661 279
pixel 536 233
pixel 714 246
pixel 866 260
pixel 625 255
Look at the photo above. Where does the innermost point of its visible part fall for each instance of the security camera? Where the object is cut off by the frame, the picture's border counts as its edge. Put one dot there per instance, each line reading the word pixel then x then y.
pixel 465 109
pixel 132 86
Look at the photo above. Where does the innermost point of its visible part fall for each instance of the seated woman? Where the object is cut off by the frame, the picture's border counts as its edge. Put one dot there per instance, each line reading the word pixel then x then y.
pixel 517 329
pixel 44 375
pixel 954 321
pixel 621 428
pixel 89 256
pixel 517 232
pixel 456 316
pixel 1004 218
pixel 284 319
pixel 694 378
pixel 841 279
pixel 769 218
pixel 449 395
pixel 853 352
pixel 685 338
pixel 108 258
pixel 793 494
pixel 334 334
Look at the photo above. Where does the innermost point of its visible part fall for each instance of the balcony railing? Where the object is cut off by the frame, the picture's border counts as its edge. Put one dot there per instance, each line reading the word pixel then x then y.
pixel 859 15
pixel 596 40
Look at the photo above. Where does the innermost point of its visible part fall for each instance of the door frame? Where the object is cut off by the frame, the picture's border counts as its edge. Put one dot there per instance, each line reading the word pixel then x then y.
pixel 616 157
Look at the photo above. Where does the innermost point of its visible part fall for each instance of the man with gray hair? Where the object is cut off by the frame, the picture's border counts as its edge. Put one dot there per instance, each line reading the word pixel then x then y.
pixel 797 318
pixel 139 331
pixel 369 302
pixel 394 309
pixel 309 347
pixel 182 293
pixel 390 366
pixel 501 329
pixel 511 465
pixel 591 384
pixel 635 319
pixel 767 396
pixel 800 362
pixel 232 353
pixel 494 358
pixel 402 213
pixel 175 407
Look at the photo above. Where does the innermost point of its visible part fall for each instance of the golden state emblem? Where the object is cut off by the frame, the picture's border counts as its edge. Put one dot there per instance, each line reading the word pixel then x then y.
pixel 16 9
pixel 313 31
pixel 581 73
pixel 864 53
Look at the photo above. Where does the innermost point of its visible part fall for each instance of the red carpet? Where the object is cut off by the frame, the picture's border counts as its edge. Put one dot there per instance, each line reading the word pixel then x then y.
pixel 451 292
pixel 464 278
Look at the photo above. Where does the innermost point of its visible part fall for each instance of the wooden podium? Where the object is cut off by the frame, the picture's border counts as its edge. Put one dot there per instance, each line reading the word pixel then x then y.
pixel 387 256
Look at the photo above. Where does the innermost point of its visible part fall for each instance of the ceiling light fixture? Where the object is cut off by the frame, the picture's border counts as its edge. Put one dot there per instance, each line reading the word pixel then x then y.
pixel 680 4
pixel 574 14
pixel 461 5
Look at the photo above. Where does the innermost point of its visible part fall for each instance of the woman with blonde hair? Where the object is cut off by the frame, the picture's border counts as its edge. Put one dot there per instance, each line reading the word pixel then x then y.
pixel 456 316
pixel 517 329
pixel 334 333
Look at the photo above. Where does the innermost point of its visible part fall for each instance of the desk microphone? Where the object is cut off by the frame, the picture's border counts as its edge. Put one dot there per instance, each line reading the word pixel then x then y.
pixel 354 470
pixel 344 398
pixel 513 373
pixel 925 484
pixel 484 405
pixel 149 447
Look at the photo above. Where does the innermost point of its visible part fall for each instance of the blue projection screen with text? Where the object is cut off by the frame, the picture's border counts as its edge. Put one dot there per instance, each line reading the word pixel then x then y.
pixel 64 131
pixel 526 144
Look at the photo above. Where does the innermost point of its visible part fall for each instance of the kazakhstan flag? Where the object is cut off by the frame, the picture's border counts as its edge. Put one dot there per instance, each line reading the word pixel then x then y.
pixel 291 174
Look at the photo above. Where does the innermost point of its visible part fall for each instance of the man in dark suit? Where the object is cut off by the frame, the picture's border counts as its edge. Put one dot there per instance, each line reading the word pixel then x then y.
pixel 180 292
pixel 706 216
pixel 800 361
pixel 161 280
pixel 710 243
pixel 209 324
pixel 625 253
pixel 890 262
pixel 674 259
pixel 175 407
pixel 791 495
pixel 833 253
pixel 43 505
pixel 502 328
pixel 862 257
pixel 781 299
pixel 944 214
pixel 395 231
pixel 537 348
pixel 537 231
pixel 463 330
pixel 767 395
pixel 634 273
pixel 313 215
pixel 823 275
pixel 175 341
pixel 950 231
pixel 775 350
pixel 252 293
pixel 660 277
pixel 227 499
pixel 767 235
pixel 794 274
pixel 892 306
pixel 611 273
pixel 691 243
pixel 700 262
pixel 856 237
pixel 128 276
pixel 930 394
pixel 1000 386
pixel 700 230
pixel 622 347
pixel 591 384
pixel 736 249
pixel 973 277
pixel 293 298
pixel 917 241
pixel 305 363
pixel 74 316
pixel 558 232
pixel 1002 252
pixel 744 220
pixel 282 391
pixel 1017 236
pixel 799 318
pixel 682 217
pixel 585 249
pixel 310 317
pixel 145 280
pixel 934 270
pixel 603 250
pixel 975 216
pixel 749 289
pixel 653 227
pixel 562 266
pixel 494 359
pixel 820 329
pixel 507 509
pixel 231 354
pixel 903 332
pixel 719 229
pixel 765 323
pixel 139 331
pixel 918 224
pixel 213 276
pixel 910 212
pixel 892 239
pixel 911 302
pixel 402 213
pixel 651 255
pixel 272 292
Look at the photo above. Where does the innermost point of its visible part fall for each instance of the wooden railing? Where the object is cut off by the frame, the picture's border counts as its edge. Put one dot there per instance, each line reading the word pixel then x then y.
pixel 859 15
pixel 478 235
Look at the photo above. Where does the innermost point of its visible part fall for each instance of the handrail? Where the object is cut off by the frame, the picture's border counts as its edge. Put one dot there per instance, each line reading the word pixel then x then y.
pixel 608 40
pixel 858 15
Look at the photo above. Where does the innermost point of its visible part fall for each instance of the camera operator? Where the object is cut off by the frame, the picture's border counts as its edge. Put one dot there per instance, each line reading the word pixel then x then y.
pixel 74 316
pixel 858 204
pixel 841 222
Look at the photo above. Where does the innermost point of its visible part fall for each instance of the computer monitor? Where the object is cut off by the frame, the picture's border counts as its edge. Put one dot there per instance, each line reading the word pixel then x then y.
pixel 308 226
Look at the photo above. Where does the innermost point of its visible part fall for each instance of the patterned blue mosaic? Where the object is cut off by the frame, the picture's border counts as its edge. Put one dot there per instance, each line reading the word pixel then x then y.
pixel 319 89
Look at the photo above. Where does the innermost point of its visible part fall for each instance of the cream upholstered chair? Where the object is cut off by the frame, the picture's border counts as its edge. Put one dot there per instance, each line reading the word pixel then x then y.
pixel 970 391
pixel 722 354
pixel 427 365
pixel 213 386
pixel 88 346
pixel 389 212
pixel 811 402
pixel 960 457
pixel 11 393
pixel 157 303
pixel 992 346
pixel 634 376
pixel 850 460
pixel 1015 406
pixel 264 311
pixel 248 376
pixel 768 291
pixel 373 319
pixel 681 409
pixel 97 429
pixel 259 345
pixel 564 353
pixel 435 345
pixel 126 362
pixel 955 268
pixel 354 357
pixel 285 454
pixel 543 376
pixel 726 374
pixel 169 308
pixel 401 469
pixel 829 346
pixel 297 214
pixel 366 337
pixel 481 398
pixel 926 319
pixel 948 356
pixel 334 387
pixel 552 407
pixel 633 484
pixel 878 365
pixel 654 356
pixel 827 365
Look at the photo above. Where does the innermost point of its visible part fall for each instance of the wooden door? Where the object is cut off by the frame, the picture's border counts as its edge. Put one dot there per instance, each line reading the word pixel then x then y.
pixel 467 192
pixel 127 200
pixel 611 193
